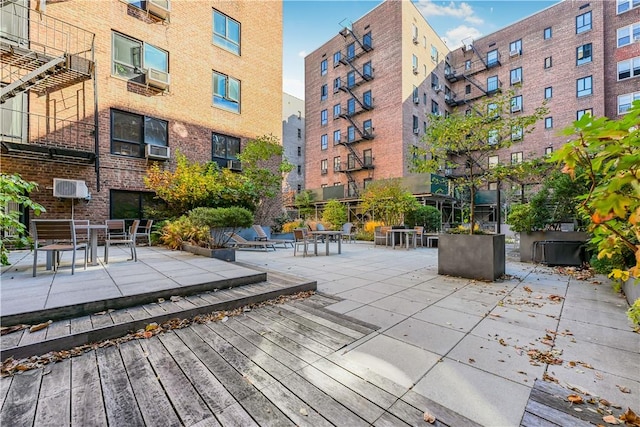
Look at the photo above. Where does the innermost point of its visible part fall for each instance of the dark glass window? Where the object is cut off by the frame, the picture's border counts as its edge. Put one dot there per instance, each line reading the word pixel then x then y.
pixel 224 148
pixel 130 132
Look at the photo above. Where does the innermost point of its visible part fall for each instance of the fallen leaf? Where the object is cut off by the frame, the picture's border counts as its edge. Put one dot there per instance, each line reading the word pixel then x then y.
pixel 40 326
pixel 610 419
pixel 160 300
pixel 574 398
pixel 151 326
pixel 555 298
pixel 528 289
pixel 428 417
pixel 147 334
pixel 304 412
pixel 630 417
pixel 472 360
pixel 623 389
pixel 502 342
pixel 605 402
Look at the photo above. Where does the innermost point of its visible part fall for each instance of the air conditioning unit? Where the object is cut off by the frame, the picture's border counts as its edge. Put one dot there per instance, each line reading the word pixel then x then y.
pixel 70 188
pixel 438 88
pixel 158 79
pixel 416 131
pixel 416 100
pixel 516 80
pixel 515 52
pixel 415 70
pixel 636 37
pixel 516 108
pixel 158 152
pixel 159 8
pixel 415 40
pixel 324 171
pixel 234 165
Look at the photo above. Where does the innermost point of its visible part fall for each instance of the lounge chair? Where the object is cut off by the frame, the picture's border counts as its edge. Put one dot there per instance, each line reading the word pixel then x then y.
pixel 239 242
pixel 262 236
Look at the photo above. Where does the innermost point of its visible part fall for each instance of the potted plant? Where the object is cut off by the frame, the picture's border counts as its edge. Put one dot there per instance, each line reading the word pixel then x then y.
pixel 460 144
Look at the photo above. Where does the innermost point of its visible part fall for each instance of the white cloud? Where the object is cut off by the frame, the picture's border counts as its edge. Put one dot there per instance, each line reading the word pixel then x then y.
pixel 462 11
pixel 293 87
pixel 453 37
pixel 302 53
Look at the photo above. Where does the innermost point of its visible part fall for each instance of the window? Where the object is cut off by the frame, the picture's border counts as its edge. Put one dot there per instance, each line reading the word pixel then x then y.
pixel 337 83
pixel 435 82
pixel 424 126
pixel 434 53
pixel 583 54
pixel 547 62
pixel 226 92
pixel 581 113
pixel 299 133
pixel 547 33
pixel 416 95
pixel 323 118
pixel 131 132
pixel 548 92
pixel 351 106
pixel 492 84
pixel 130 58
pixel 131 204
pixel 299 188
pixel 336 137
pixel 367 126
pixel 336 58
pixel 625 5
pixel 629 68
pixel 366 40
pixel 416 125
pixel 367 70
pixel 299 170
pixel 351 133
pixel 548 151
pixel 323 67
pixel 366 182
pixel 224 148
pixel 337 110
pixel 299 151
pixel 625 101
pixel 324 142
pixel 628 35
pixel 516 76
pixel 414 63
pixel 494 137
pixel 226 32
pixel 324 92
pixel 583 22
pixel 492 110
pixel 351 51
pixel 367 157
pixel 367 99
pixel 424 98
pixel 516 104
pixel 515 48
pixel 493 161
pixel 467 89
pixel 336 164
pixel 351 79
pixel 584 86
pixel 467 64
pixel 435 108
pixel 548 122
pixel 351 161
pixel 516 158
pixel 324 166
pixel 516 133
pixel 414 33
pixel 492 58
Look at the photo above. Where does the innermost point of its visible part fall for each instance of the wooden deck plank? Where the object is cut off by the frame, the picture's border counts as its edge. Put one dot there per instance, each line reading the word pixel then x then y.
pixel 350 399
pixel 59 328
pixel 297 410
pixel 12 339
pixel 121 316
pixel 390 420
pixel 154 309
pixel 170 307
pixel 283 341
pixel 138 313
pixel 101 320
pixel 235 416
pixel 210 297
pixel 294 332
pixel 337 318
pixel 444 414
pixel 264 412
pixel 265 345
pixel 353 331
pixel 87 406
pixel 5 383
pixel 531 420
pixel 54 401
pixel 152 401
pixel 214 394
pixel 19 407
pixel 248 369
pixel 33 337
pixel 410 415
pixel 119 399
pixel 196 300
pixel 553 396
pixel 184 303
pixel 557 416
pixel 80 324
pixel 184 398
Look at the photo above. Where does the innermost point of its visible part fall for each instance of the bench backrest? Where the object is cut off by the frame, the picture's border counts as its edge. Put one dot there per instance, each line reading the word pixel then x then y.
pixel 53 229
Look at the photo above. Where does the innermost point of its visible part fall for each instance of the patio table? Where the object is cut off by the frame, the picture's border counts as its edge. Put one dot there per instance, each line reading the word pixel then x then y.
pixel 327 235
pixel 93 240
pixel 404 232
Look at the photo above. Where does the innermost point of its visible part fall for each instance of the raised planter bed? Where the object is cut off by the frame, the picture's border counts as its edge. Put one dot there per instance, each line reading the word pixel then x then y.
pixel 527 242
pixel 224 254
pixel 474 256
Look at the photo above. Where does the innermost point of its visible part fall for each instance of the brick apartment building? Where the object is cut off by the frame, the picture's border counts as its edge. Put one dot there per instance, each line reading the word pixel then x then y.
pixel 134 83
pixel 580 56
pixel 293 144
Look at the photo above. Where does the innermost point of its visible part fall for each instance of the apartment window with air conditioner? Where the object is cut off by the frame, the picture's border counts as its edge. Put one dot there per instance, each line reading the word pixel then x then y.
pixel 625 101
pixel 323 67
pixel 629 68
pixel 415 95
pixel 493 161
pixel 629 34
pixel 548 151
pixel 492 84
pixel 516 133
pixel 435 108
pixel 416 125
pixel 414 64
pixel 324 142
pixel 515 48
pixel 434 54
pixel 226 92
pixel 337 110
pixel 336 58
pixel 583 54
pixel 336 137
pixel 584 86
pixel 225 150
pixel 337 84
pixel 435 81
pixel 367 126
pixel 493 137
pixel 581 113
pixel 135 60
pixel 516 76
pixel 492 110
pixel 130 133
pixel 226 32
pixel 583 22
pixel 516 104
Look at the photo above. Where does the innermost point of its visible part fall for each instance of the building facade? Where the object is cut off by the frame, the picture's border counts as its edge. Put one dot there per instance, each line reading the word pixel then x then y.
pixel 293 144
pixel 160 78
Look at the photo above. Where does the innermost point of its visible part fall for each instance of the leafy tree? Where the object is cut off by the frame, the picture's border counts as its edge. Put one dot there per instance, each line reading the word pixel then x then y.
pixel 304 203
pixel 14 189
pixel 462 142
pixel 605 155
pixel 388 201
pixel 335 213
pixel 428 217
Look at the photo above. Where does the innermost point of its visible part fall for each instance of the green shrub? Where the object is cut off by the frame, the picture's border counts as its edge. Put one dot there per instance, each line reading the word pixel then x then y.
pixel 183 230
pixel 334 214
pixel 428 217
pixel 221 222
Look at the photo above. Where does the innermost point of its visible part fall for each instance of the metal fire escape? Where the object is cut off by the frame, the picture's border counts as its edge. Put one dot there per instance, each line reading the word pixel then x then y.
pixel 42 55
pixel 356 47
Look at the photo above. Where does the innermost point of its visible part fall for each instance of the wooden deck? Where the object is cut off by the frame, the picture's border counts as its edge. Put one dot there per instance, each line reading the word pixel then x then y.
pixel 269 366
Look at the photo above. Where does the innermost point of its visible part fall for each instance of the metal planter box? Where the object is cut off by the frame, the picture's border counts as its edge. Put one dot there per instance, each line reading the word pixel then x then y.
pixel 475 256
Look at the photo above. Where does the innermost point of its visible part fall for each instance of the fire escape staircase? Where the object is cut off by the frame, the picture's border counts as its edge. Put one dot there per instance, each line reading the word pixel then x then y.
pixel 364 134
pixel 363 105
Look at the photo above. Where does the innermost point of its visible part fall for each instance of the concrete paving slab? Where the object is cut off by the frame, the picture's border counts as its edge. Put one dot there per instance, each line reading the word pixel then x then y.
pixel 513 315
pixel 361 295
pixel 513 335
pixel 434 338
pixel 417 295
pixel 465 306
pixel 384 288
pixel 82 296
pixel 376 316
pixel 447 318
pixel 623 339
pixel 344 306
pixel 595 317
pixel 399 305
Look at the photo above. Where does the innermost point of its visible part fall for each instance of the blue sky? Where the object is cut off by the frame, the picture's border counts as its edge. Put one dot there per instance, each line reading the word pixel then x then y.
pixel 310 23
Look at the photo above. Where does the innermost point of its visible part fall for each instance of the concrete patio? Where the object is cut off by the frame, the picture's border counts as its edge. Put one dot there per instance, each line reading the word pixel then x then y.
pixel 471 347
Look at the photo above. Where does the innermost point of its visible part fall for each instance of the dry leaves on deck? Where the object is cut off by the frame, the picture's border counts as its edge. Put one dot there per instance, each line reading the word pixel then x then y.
pixel 429 417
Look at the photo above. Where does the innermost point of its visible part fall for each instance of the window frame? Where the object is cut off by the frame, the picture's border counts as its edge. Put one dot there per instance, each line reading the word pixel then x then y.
pixel 585 59
pixel 584 81
pixel 337 56
pixel 324 118
pixel 229 44
pixel 324 142
pixel 633 96
pixel 516 101
pixel 582 112
pixel 336 164
pixel 548 62
pixel 633 30
pixel 491 54
pixel 548 122
pixel 367 155
pixel 337 110
pixel 584 27
pixel 633 70
pixel 491 79
pixel 137 68
pixel 229 149
pixel 324 92
pixel 142 141
pixel 550 90
pixel 225 102
pixel 519 157
pixel 337 136
pixel 516 45
pixel 548 31
pixel 324 67
pixel 518 74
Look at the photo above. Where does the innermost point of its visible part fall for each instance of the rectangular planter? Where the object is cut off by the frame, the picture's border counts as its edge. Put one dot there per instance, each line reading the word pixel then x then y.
pixel 475 256
pixel 631 290
pixel 224 254
pixel 527 241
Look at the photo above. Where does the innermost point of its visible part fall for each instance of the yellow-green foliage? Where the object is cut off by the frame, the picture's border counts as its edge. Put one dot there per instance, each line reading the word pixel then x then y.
pixel 370 226
pixel 183 230
pixel 634 312
pixel 334 215
pixel 288 227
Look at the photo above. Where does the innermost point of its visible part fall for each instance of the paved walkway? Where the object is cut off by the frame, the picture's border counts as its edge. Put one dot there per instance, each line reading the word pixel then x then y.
pixel 460 349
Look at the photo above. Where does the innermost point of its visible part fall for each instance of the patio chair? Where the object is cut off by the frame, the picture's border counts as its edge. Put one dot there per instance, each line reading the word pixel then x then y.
pixel 301 238
pixel 262 236
pixel 82 232
pixel 348 233
pixel 56 235
pixel 129 240
pixel 116 228
pixel 145 232
pixel 381 235
pixel 419 234
pixel 240 242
